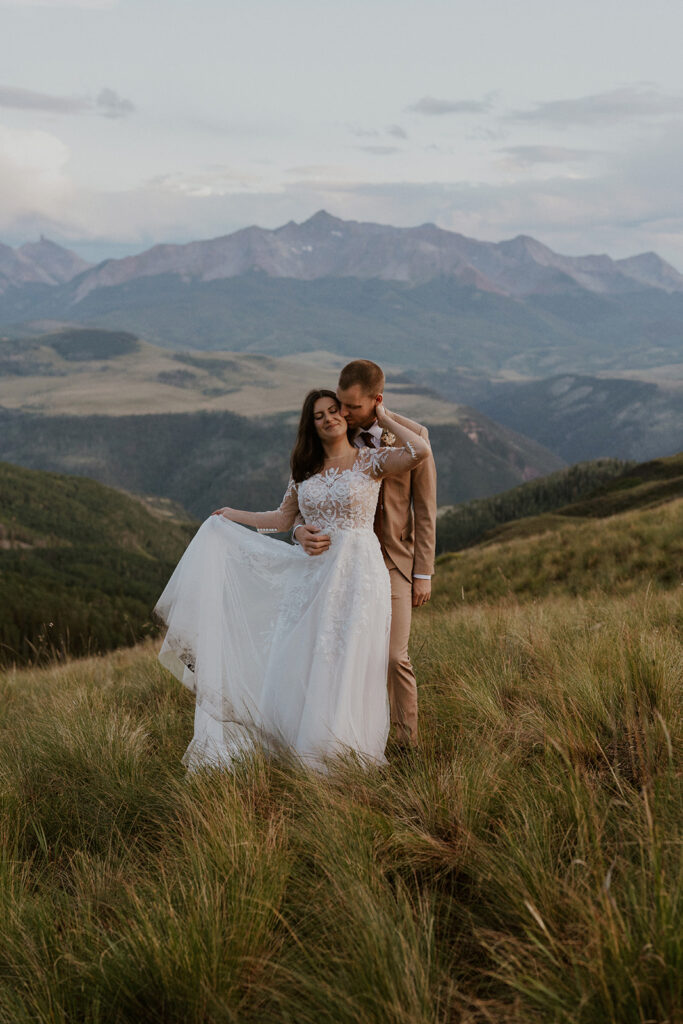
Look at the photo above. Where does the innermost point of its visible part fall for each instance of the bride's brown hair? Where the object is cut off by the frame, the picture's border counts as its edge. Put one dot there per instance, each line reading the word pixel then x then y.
pixel 308 454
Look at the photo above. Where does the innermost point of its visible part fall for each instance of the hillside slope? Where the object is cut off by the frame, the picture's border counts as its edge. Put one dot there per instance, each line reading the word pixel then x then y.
pixel 78 371
pixel 629 534
pixel 86 371
pixel 438 323
pixel 620 414
pixel 80 564
pixel 462 525
pixel 642 486
pixel 521 866
pixel 582 417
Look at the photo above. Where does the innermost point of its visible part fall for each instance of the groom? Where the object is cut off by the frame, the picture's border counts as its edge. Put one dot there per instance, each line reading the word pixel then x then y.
pixel 406 527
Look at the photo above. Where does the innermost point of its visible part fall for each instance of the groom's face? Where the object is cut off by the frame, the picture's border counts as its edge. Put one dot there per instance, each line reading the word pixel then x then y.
pixel 357 406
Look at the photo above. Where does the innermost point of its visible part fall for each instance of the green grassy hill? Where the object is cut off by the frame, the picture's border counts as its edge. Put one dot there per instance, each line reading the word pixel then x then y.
pixel 556 554
pixel 522 867
pixel 628 535
pixel 591 490
pixel 80 564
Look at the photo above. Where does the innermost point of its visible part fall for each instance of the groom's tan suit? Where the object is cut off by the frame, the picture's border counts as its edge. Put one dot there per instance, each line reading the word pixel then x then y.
pixel 406 527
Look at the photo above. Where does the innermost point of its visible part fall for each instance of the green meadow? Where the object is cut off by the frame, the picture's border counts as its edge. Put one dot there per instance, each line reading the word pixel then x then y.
pixel 523 866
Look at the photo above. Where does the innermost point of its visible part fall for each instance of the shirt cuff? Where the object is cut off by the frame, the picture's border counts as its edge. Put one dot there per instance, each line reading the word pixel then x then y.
pixel 419 576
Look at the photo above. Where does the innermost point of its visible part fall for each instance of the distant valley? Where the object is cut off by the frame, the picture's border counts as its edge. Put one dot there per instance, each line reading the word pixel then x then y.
pixel 80 372
pixel 578 417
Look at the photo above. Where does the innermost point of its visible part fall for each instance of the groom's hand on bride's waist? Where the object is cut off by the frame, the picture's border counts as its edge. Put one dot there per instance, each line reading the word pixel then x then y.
pixel 311 539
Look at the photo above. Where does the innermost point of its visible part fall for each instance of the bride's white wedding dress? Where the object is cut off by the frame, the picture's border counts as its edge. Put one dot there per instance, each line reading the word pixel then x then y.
pixel 284 649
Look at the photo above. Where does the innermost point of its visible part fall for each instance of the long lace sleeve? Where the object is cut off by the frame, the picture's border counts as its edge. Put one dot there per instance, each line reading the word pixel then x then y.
pixel 279 520
pixel 383 462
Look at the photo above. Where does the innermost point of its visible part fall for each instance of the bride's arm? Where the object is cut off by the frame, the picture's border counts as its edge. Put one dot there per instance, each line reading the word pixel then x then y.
pixel 277 521
pixel 415 449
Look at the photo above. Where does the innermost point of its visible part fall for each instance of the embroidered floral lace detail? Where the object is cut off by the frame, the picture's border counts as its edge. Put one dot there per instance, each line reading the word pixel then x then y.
pixel 346 499
pixel 350 607
pixel 379 462
pixel 340 499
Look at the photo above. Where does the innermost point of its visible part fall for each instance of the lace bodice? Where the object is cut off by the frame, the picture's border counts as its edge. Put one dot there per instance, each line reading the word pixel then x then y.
pixel 340 499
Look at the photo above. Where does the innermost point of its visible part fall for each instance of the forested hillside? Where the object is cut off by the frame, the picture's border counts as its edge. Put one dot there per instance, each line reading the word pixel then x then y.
pixel 81 565
pixel 465 524
pixel 205 459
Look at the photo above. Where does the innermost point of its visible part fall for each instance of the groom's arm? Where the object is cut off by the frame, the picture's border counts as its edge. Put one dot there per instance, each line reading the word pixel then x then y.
pixel 423 483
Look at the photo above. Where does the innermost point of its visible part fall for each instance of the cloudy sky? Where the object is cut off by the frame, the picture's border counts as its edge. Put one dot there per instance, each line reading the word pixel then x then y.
pixel 129 122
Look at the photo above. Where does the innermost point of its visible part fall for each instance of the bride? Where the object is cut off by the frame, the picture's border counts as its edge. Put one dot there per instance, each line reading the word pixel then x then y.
pixel 282 649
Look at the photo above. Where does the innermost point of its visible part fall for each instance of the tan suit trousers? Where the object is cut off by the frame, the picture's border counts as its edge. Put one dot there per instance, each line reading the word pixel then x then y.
pixel 401 681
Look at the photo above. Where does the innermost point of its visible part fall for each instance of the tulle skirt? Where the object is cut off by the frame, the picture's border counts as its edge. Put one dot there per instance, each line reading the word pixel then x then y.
pixel 282 650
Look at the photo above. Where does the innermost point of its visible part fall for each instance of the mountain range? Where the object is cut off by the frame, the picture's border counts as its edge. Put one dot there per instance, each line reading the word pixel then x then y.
pixel 408 297
pixel 326 246
pixel 582 354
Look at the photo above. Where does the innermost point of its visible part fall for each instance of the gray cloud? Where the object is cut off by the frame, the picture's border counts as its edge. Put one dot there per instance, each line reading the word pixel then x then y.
pixel 393 130
pixel 379 150
pixel 484 133
pixel 633 205
pixel 112 105
pixel 363 133
pixel 548 154
pixel 26 99
pixel 626 103
pixel 108 103
pixel 433 107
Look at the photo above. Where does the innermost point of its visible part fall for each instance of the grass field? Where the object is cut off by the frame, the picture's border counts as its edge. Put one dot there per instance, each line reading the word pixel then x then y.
pixel 524 866
pixel 561 554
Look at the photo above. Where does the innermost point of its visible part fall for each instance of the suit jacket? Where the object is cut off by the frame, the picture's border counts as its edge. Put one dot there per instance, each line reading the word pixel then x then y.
pixel 408 513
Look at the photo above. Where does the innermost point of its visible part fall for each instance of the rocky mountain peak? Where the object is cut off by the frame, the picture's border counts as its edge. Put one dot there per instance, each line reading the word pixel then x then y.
pixel 322 219
pixel 44 261
pixel 525 247
pixel 651 270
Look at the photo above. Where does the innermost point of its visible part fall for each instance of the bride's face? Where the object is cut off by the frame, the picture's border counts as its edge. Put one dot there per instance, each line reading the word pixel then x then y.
pixel 328 420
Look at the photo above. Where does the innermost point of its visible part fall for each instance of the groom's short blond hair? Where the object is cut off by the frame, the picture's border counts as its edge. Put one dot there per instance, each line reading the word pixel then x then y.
pixel 362 371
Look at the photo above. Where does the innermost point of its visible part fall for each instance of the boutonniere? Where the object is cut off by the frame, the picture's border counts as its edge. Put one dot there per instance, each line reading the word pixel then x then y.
pixel 388 440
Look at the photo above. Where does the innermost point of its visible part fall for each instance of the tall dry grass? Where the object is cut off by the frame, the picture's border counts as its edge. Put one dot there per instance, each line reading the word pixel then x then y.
pixel 524 866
